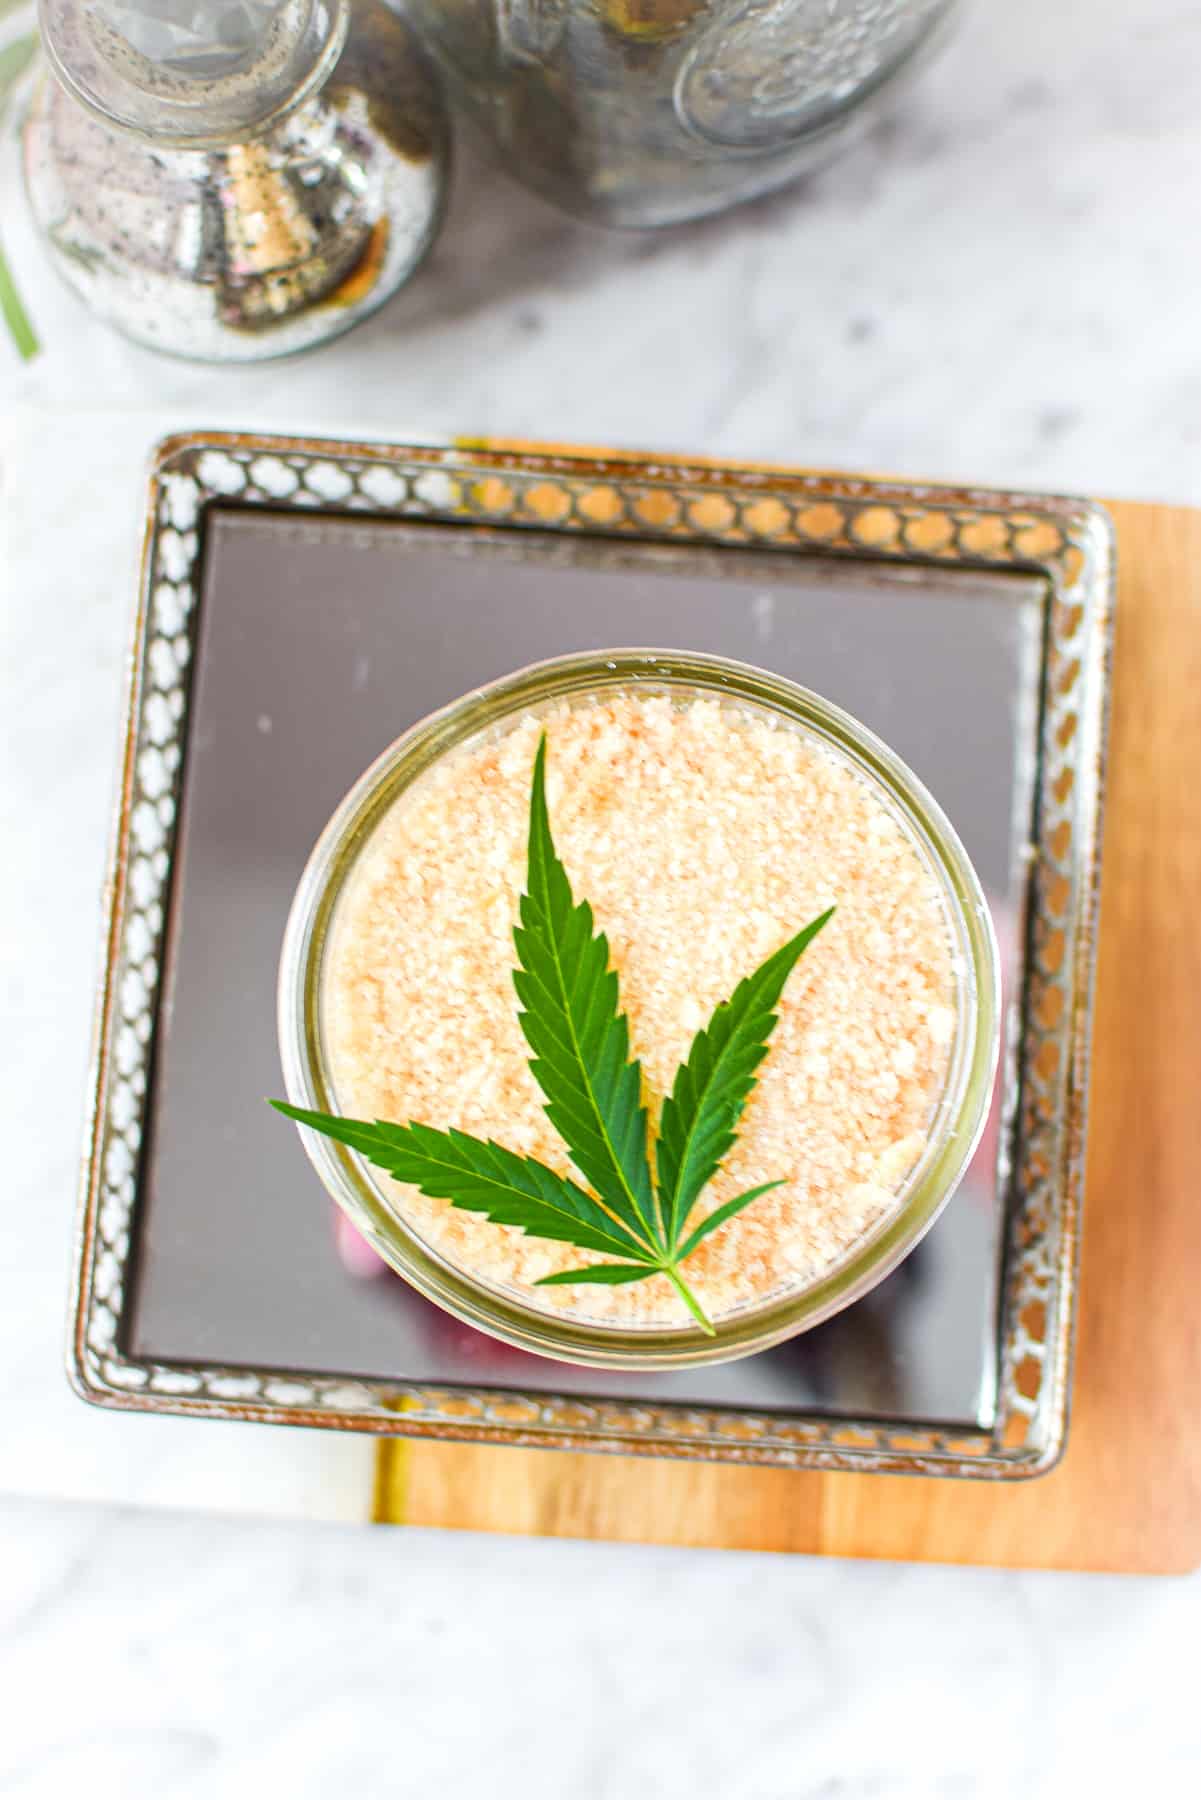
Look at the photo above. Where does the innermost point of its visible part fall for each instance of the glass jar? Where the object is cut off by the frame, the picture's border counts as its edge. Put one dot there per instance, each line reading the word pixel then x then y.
pixel 647 112
pixel 958 1116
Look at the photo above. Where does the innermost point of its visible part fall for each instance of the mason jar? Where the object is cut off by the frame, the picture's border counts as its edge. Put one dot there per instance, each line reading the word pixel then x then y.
pixel 647 112
pixel 956 1116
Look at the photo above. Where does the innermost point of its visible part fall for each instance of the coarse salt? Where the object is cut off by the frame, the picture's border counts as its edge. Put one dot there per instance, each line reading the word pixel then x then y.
pixel 704 836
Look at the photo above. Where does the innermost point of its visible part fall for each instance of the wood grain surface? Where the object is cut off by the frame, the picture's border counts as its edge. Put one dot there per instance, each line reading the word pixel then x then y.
pixel 1127 1495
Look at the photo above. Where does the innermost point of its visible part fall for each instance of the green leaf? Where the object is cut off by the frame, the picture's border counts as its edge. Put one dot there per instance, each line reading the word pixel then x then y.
pixel 15 58
pixel 699 1120
pixel 12 310
pixel 580 1038
pixel 480 1177
pixel 593 1092
pixel 720 1214
pixel 611 1274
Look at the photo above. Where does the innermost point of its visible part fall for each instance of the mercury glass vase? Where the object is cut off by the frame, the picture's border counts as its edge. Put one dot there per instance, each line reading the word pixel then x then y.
pixel 232 180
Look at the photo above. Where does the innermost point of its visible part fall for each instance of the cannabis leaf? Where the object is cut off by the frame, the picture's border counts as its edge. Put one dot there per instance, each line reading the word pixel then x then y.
pixel 571 1017
pixel 15 58
pixel 697 1125
pixel 579 1038
pixel 479 1177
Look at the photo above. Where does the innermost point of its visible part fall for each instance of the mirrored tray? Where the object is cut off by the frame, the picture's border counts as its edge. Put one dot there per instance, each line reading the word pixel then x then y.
pixel 301 603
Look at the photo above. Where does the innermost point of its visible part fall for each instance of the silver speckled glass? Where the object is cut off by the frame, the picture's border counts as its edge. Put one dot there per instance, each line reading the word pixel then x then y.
pixel 232 180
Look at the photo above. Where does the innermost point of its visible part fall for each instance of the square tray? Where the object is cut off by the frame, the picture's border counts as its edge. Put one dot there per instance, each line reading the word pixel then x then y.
pixel 302 602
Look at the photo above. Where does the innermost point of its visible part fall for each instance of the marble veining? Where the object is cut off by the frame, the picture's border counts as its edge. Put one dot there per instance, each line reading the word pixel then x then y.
pixel 152 1654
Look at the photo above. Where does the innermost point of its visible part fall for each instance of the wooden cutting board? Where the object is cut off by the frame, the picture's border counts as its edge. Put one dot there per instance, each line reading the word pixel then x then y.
pixel 1127 1495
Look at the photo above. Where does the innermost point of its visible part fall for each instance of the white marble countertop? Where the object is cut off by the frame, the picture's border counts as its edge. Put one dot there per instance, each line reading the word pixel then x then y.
pixel 1001 285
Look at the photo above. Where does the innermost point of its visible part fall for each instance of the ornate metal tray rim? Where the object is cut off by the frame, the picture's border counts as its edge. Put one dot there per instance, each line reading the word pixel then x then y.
pixel 1068 543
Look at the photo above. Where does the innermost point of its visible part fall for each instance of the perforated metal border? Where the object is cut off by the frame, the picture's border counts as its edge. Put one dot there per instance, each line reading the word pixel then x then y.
pixel 1069 543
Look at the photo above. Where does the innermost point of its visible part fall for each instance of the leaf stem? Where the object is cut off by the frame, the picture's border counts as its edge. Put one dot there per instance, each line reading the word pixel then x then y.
pixel 689 1298
pixel 15 316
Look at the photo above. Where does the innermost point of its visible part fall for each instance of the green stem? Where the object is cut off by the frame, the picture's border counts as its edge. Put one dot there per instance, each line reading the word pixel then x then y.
pixel 689 1298
pixel 15 316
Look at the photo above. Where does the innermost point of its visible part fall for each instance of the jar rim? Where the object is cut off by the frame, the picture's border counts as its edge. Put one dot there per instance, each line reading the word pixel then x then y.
pixel 952 1135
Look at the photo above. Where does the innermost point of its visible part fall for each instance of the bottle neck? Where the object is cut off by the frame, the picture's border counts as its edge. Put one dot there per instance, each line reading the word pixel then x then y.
pixel 193 77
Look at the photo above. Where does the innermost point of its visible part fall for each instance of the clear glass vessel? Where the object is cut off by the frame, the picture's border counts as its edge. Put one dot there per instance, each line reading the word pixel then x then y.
pixel 957 1118
pixel 646 112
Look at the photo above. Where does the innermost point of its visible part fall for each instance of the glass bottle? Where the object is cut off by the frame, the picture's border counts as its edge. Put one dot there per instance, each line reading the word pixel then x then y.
pixel 234 179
